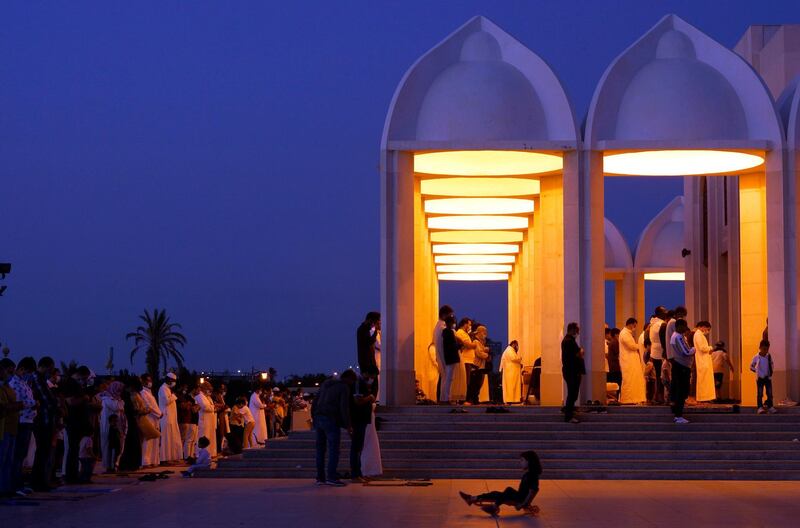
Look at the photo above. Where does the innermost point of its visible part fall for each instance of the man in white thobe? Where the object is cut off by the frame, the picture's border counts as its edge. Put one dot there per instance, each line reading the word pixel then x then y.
pixel 633 388
pixel 511 368
pixel 704 363
pixel 171 444
pixel 207 420
pixel 150 454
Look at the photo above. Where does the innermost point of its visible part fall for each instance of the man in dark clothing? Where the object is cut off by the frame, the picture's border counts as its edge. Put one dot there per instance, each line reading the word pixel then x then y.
pixel 331 414
pixel 366 335
pixel 614 369
pixel 572 368
pixel 361 416
pixel 44 425
pixel 77 420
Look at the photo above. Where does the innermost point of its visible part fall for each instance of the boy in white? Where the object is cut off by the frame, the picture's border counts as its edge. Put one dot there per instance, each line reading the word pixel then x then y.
pixel 762 366
pixel 203 457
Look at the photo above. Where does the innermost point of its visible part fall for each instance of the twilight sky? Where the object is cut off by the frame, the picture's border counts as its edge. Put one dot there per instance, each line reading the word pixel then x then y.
pixel 220 160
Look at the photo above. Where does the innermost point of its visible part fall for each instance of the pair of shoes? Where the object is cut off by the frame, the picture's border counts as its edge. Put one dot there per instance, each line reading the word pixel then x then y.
pixel 335 483
pixel 319 483
pixel 761 410
pixel 680 420
pixel 574 421
pixel 23 492
pixel 359 480
pixel 467 498
pixel 772 410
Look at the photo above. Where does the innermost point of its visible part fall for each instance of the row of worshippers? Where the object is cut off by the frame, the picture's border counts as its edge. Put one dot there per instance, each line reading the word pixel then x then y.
pixel 634 361
pixel 461 359
pixel 69 421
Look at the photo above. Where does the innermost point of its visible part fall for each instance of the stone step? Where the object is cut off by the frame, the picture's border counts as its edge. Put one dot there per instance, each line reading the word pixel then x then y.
pixel 588 418
pixel 579 444
pixel 502 426
pixel 511 464
pixel 578 433
pixel 544 454
pixel 513 475
pixel 611 409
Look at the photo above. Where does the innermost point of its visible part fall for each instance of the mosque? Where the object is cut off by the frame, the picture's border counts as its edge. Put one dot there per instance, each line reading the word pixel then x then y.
pixel 488 174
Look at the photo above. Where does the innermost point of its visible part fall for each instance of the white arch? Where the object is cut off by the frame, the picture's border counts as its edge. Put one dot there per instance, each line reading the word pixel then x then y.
pixel 476 87
pixel 660 244
pixel 618 254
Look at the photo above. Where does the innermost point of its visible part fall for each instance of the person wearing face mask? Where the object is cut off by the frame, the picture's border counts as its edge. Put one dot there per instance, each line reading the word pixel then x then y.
pixel 150 454
pixel 364 395
pixel 187 421
pixel 77 419
pixel 171 446
pixel 257 409
pixel 207 422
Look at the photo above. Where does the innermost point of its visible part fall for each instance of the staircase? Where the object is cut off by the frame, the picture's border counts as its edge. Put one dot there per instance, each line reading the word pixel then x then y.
pixel 624 443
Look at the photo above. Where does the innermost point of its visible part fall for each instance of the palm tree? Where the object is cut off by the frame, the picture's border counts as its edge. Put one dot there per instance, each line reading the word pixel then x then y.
pixel 160 341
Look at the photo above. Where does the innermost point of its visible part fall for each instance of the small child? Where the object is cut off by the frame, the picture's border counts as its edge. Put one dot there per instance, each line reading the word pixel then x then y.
pixel 521 498
pixel 86 456
pixel 114 447
pixel 203 458
pixel 762 366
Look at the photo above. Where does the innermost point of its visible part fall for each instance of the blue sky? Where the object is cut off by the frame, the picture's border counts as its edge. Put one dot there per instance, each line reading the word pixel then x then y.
pixel 220 160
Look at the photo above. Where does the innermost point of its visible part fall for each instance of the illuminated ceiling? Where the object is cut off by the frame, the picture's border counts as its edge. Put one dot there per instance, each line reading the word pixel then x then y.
pixel 679 162
pixel 486 162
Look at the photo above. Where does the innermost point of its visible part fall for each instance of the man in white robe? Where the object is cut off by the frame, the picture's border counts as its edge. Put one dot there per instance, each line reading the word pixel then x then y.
pixel 511 368
pixel 207 421
pixel 150 454
pixel 257 407
pixel 171 444
pixel 630 361
pixel 704 363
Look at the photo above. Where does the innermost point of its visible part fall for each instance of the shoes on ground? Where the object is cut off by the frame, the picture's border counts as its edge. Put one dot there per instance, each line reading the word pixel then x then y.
pixel 680 420
pixel 335 483
pixel 491 509
pixel 466 497
pixel 772 410
pixel 574 421
pixel 761 410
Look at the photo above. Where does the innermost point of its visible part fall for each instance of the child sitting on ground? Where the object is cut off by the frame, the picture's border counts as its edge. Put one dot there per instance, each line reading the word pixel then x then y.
pixel 203 458
pixel 86 456
pixel 521 498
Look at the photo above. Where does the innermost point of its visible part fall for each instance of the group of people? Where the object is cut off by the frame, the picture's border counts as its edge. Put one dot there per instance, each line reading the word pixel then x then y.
pixel 70 421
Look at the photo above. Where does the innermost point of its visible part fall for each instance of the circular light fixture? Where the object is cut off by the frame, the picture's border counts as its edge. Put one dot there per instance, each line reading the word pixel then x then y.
pixel 474 237
pixel 486 162
pixel 479 206
pixel 474 259
pixel 476 186
pixel 679 162
pixel 476 223
pixel 474 268
pixel 665 276
pixel 475 249
pixel 473 276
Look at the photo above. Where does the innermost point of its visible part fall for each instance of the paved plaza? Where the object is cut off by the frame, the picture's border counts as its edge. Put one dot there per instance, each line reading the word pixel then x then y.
pixel 298 503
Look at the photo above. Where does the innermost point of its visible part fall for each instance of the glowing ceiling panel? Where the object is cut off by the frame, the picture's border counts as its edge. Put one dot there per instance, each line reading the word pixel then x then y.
pixel 486 162
pixel 665 276
pixel 476 186
pixel 474 259
pixel 479 206
pixel 679 162
pixel 473 276
pixel 474 268
pixel 475 249
pixel 471 237
pixel 473 223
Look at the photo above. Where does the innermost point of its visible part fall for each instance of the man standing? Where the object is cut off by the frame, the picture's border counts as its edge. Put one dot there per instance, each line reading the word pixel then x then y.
pixel 366 336
pixel 187 421
pixel 19 382
pixel 630 360
pixel 445 374
pixel 612 357
pixel 572 368
pixel 331 414
pixel 150 454
pixel 657 348
pixel 171 445
pixel 682 360
pixel 44 425
pixel 705 390
pixel 77 419
pixel 361 416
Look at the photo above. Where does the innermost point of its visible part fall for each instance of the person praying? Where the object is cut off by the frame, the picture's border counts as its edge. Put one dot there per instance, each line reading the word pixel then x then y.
pixel 511 369
pixel 207 422
pixel 451 358
pixel 573 369
pixel 171 444
pixel 458 390
pixel 682 361
pixel 257 409
pixel 705 390
pixel 633 390
pixel 150 450
pixel 112 416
